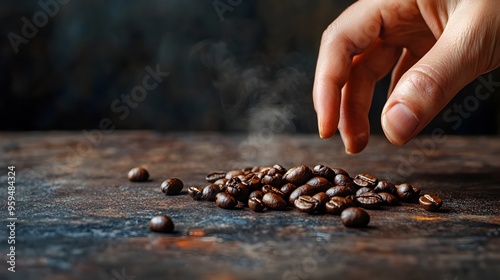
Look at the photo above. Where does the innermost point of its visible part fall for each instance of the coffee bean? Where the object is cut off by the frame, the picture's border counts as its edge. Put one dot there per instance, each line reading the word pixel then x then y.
pixel 252 182
pixel 247 170
pixel 369 200
pixel 172 186
pixel 138 174
pixel 161 223
pixel 255 169
pixel 307 204
pixel 322 198
pixel 298 175
pixel 339 191
pixel 324 171
pixel 354 217
pixel 220 182
pixel 257 194
pixel 225 200
pixel 274 201
pixel 287 189
pixel 322 184
pixel 273 171
pixel 405 192
pixel 340 171
pixel 370 179
pixel 256 204
pixel 417 191
pixel 268 188
pixel 264 170
pixel 389 199
pixel 238 190
pixel 273 180
pixel 385 186
pixel 430 202
pixel 280 168
pixel 335 205
pixel 214 176
pixel 209 192
pixel 302 190
pixel 234 173
pixel 350 201
pixel 341 180
pixel 363 190
pixel 195 192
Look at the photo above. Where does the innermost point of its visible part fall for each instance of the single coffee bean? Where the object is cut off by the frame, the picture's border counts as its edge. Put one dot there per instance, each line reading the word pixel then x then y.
pixel 247 170
pixel 369 200
pixel 370 179
pixel 389 199
pixel 274 201
pixel 298 175
pixel 287 189
pixel 238 190
pixel 341 180
pixel 322 198
pixel 257 194
pixel 322 184
pixel 234 173
pixel 350 201
pixel 220 182
pixel 273 171
pixel 280 168
pixel 354 217
pixel 209 192
pixel 172 186
pixel 385 186
pixel 339 191
pixel 256 204
pixel 324 171
pixel 335 205
pixel 417 191
pixel 273 180
pixel 307 204
pixel 405 192
pixel 340 171
pixel 225 200
pixel 161 223
pixel 264 170
pixel 268 188
pixel 255 169
pixel 195 192
pixel 214 176
pixel 363 190
pixel 302 190
pixel 138 174
pixel 430 202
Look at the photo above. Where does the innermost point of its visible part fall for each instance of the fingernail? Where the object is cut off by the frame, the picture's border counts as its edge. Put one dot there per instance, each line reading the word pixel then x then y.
pixel 399 124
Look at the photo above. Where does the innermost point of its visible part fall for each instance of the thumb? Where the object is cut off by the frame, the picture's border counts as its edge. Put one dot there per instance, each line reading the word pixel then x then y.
pixel 425 89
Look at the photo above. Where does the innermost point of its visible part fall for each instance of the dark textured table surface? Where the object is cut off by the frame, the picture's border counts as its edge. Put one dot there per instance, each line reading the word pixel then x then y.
pixel 78 217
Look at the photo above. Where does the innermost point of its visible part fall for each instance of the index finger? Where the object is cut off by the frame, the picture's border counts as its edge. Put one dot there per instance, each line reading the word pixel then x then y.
pixel 350 34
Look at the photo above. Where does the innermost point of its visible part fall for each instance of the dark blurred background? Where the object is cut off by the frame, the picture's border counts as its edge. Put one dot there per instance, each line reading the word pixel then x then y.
pixel 231 67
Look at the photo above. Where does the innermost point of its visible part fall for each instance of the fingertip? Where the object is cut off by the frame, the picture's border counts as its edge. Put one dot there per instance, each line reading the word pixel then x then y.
pixel 399 124
pixel 356 144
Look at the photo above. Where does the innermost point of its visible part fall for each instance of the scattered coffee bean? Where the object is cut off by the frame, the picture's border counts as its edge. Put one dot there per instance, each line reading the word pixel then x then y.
pixel 280 168
pixel 354 217
pixel 363 190
pixel 307 204
pixel 257 194
pixel 238 190
pixel 214 176
pixel 319 183
pixel 287 189
pixel 322 198
pixel 389 199
pixel 273 180
pixel 369 200
pixel 405 192
pixel 138 174
pixel 369 179
pixel 256 204
pixel 335 205
pixel 302 190
pixel 342 180
pixel 342 191
pixel 268 188
pixel 225 200
pixel 274 201
pixel 210 191
pixel 298 175
pixel 161 223
pixel 234 173
pixel 325 172
pixel 195 192
pixel 220 182
pixel 385 186
pixel 430 202
pixel 172 186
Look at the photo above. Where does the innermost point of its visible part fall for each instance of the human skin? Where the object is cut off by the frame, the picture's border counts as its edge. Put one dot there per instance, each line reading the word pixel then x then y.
pixel 435 46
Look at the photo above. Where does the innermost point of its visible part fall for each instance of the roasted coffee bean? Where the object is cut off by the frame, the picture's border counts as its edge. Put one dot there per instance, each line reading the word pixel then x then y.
pixel 389 199
pixel 280 168
pixel 252 182
pixel 324 171
pixel 339 191
pixel 307 204
pixel 209 192
pixel 430 202
pixel 172 186
pixel 302 190
pixel 322 198
pixel 341 180
pixel 370 179
pixel 350 201
pixel 264 170
pixel 273 180
pixel 247 170
pixel 255 169
pixel 225 200
pixel 354 217
pixel 405 192
pixel 340 171
pixel 322 184
pixel 257 194
pixel 298 175
pixel 239 191
pixel 273 171
pixel 287 189
pixel 268 188
pixel 335 205
pixel 363 190
pixel 274 201
pixel 233 173
pixel 417 191
pixel 369 200
pixel 220 182
pixel 214 176
pixel 195 192
pixel 256 204
pixel 138 174
pixel 161 223
pixel 385 186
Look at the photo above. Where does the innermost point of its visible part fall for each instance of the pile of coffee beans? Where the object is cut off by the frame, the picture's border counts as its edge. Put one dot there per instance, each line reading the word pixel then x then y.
pixel 320 190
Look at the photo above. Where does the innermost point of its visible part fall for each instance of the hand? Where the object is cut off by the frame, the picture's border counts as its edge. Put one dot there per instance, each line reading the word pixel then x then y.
pixel 437 46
